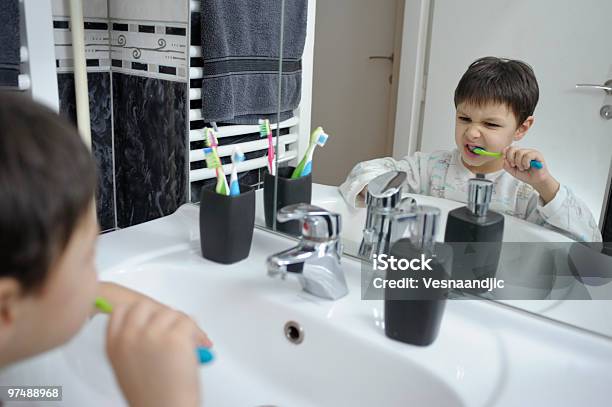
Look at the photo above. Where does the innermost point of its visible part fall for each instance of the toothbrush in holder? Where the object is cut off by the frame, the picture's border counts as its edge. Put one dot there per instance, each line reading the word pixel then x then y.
pixel 317 138
pixel 237 156
pixel 213 161
pixel 204 354
pixel 266 131
pixel 481 151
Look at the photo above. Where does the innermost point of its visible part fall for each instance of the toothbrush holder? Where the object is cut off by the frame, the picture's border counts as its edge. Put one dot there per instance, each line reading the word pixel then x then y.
pixel 226 225
pixel 290 191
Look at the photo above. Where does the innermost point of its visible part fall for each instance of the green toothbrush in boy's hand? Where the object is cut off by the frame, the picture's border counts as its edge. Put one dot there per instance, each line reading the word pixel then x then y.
pixel 481 151
pixel 204 354
pixel 103 306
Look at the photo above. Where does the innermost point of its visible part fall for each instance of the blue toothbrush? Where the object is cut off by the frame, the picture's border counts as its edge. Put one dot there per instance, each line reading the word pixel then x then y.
pixel 204 354
pixel 481 151
pixel 237 156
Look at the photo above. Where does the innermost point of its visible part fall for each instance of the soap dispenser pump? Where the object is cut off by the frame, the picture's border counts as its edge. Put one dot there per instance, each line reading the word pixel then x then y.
pixel 413 314
pixel 476 233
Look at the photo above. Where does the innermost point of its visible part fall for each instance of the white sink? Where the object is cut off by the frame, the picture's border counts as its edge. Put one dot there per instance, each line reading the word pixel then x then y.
pixel 486 354
pixel 594 315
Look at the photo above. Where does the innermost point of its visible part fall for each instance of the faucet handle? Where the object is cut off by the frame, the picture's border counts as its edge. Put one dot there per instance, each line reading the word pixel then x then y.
pixel 317 223
pixel 385 191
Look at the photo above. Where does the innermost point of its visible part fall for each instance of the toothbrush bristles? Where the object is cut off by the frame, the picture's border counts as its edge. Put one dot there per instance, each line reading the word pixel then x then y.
pixel 322 139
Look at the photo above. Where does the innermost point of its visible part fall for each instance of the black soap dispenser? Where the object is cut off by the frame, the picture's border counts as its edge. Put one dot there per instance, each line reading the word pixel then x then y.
pixel 413 315
pixel 476 234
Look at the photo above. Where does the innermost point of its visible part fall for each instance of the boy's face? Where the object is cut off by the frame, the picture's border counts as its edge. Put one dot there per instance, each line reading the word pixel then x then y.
pixel 41 321
pixel 493 127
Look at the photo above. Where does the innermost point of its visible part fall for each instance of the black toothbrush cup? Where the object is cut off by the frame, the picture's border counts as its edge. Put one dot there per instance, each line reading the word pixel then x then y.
pixel 226 225
pixel 290 191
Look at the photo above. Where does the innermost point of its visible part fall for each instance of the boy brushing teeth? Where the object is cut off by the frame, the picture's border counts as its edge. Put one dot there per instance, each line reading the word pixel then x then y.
pixel 495 100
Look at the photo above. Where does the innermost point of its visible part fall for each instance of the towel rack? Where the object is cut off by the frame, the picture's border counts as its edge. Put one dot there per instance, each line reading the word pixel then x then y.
pixel 252 144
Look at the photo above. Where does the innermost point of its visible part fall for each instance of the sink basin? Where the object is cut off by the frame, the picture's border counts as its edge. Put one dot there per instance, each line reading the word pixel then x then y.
pixel 486 354
pixel 594 315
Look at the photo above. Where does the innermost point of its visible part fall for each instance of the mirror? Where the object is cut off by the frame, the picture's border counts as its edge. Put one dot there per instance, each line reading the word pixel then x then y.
pixel 242 82
pixel 386 99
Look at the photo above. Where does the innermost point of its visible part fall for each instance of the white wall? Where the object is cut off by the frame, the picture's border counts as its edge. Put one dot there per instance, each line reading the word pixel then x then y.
pixel 91 8
pixel 154 10
pixel 410 92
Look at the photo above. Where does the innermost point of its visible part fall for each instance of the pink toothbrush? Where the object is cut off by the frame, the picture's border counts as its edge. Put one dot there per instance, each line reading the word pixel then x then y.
pixel 264 130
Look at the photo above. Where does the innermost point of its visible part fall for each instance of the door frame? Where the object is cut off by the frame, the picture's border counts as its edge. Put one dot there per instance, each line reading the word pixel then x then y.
pixel 412 76
pixel 606 209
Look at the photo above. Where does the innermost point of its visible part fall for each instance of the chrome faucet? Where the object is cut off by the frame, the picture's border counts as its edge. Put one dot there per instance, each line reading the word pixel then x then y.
pixel 316 259
pixel 387 213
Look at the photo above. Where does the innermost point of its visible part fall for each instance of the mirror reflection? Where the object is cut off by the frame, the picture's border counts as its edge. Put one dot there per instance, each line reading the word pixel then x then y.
pixel 245 101
pixel 508 135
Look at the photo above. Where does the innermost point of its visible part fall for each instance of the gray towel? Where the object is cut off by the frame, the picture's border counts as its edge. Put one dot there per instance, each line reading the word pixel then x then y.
pixel 240 49
pixel 9 43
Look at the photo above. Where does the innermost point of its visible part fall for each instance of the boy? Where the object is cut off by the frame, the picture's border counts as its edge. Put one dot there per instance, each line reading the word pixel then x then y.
pixel 495 100
pixel 48 281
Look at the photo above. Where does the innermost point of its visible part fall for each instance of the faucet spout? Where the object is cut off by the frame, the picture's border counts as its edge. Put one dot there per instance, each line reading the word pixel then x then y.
pixel 316 266
pixel 315 261
pixel 386 213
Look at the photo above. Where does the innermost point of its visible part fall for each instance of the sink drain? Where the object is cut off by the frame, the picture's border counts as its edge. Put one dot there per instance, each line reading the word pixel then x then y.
pixel 294 332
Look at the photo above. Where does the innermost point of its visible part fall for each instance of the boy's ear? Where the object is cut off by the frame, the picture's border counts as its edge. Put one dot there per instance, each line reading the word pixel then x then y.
pixel 523 128
pixel 10 293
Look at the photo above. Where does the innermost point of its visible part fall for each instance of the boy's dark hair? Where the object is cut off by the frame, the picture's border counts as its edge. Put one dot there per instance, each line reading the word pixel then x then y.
pixel 47 181
pixel 500 80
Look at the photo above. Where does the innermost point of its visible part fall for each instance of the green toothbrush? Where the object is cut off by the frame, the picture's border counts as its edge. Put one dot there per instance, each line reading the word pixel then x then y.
pixel 484 152
pixel 204 355
pixel 314 137
pixel 103 306
pixel 481 151
pixel 213 161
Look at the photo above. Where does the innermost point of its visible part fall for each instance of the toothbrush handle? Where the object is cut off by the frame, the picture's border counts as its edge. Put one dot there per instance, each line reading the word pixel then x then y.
pixel 271 154
pixel 204 355
pixel 308 167
pixel 536 164
pixel 234 188
pixel 298 171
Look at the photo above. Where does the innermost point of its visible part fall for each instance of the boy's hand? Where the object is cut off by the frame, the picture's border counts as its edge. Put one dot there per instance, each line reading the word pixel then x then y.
pixel 517 161
pixel 362 197
pixel 153 352
pixel 119 295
